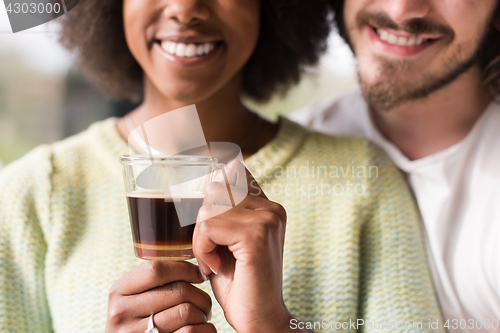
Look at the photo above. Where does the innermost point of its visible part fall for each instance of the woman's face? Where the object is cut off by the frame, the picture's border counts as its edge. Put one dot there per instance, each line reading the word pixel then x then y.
pixel 191 49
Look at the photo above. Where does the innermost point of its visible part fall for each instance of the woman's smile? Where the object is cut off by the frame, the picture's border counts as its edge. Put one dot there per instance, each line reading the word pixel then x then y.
pixel 189 52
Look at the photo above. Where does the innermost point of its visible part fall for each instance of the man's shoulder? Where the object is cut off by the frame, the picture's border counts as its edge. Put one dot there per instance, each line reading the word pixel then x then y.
pixel 336 149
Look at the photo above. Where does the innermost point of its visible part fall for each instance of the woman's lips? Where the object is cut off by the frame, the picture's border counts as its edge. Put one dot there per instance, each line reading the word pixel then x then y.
pixel 188 54
pixel 401 45
pixel 188 50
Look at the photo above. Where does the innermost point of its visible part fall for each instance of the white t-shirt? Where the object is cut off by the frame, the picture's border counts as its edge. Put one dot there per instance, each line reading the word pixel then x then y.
pixel 458 193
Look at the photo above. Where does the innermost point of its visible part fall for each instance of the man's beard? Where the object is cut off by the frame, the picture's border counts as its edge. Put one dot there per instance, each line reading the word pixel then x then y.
pixel 390 93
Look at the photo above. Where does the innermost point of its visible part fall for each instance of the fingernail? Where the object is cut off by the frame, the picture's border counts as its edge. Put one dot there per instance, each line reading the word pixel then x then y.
pixel 209 317
pixel 203 275
pixel 215 272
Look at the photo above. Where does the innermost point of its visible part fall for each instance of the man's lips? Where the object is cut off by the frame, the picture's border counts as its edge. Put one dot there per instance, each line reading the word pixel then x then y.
pixel 399 42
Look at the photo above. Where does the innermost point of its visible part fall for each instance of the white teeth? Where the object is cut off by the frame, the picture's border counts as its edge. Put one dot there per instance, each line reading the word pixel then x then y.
pixel 399 40
pixel 392 39
pixel 200 50
pixel 384 35
pixel 180 50
pixel 187 50
pixel 402 41
pixel 190 51
pixel 171 46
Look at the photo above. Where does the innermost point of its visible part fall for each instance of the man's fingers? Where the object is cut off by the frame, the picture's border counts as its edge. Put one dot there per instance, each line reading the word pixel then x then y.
pixel 154 274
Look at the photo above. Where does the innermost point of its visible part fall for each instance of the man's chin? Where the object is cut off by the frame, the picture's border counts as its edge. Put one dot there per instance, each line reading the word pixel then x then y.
pixel 387 83
pixel 385 89
pixel 381 97
pixel 390 90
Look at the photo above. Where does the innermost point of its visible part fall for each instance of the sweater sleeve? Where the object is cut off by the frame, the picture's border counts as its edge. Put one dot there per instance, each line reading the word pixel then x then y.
pixel 396 290
pixel 24 206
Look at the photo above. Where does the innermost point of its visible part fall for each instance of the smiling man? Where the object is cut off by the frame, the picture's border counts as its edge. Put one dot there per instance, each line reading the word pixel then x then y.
pixel 429 74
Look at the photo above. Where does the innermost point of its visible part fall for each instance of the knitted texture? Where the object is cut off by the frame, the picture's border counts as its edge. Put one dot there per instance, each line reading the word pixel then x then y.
pixel 353 244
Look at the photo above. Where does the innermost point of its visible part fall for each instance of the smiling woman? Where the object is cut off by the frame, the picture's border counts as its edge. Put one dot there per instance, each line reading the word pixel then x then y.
pixel 292 36
pixel 231 29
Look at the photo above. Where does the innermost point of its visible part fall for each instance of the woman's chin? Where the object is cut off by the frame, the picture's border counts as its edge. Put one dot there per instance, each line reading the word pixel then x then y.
pixel 186 97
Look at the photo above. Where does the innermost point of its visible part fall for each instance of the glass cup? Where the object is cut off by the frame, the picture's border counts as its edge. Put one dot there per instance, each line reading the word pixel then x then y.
pixel 164 195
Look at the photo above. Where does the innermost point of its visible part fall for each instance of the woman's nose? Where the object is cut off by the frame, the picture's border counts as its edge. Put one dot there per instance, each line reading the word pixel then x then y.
pixel 187 11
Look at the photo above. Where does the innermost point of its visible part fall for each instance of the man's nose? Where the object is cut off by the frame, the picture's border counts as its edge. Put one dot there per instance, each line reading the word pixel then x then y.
pixel 402 11
pixel 187 11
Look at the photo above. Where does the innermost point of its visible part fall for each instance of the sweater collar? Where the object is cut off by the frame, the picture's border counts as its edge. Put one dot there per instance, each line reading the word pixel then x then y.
pixel 278 152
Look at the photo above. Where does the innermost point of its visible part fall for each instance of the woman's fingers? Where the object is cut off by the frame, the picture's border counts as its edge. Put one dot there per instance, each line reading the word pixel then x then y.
pixel 217 201
pixel 258 210
pixel 161 288
pixel 172 320
pixel 217 193
pixel 236 227
pixel 154 274
pixel 233 187
pixel 212 207
pixel 203 328
pixel 185 314
pixel 236 175
pixel 205 249
pixel 241 230
pixel 167 296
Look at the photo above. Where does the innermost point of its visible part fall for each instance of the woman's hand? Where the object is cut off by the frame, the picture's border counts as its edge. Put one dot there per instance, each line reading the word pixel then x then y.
pixel 244 245
pixel 165 290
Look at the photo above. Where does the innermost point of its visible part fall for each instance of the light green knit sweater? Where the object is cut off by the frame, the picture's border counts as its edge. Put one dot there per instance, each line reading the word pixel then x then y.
pixel 65 234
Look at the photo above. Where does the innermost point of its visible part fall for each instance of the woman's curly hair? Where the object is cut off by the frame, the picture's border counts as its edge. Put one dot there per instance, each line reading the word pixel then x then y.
pixel 488 56
pixel 293 35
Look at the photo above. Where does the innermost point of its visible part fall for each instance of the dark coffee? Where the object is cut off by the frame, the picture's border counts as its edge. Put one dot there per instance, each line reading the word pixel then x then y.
pixel 156 228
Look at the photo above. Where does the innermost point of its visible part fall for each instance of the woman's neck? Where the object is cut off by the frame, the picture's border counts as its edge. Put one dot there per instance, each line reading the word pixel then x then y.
pixel 222 116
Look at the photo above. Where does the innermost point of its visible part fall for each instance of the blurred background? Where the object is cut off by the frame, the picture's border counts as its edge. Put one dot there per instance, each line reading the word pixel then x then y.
pixel 44 98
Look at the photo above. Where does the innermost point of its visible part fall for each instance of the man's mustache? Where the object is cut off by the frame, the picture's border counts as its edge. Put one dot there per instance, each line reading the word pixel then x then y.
pixel 416 26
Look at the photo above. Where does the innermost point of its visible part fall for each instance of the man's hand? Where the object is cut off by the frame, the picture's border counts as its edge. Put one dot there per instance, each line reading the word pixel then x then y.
pixel 164 289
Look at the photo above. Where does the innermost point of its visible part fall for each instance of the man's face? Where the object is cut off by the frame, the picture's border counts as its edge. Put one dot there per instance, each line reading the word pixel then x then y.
pixel 407 49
